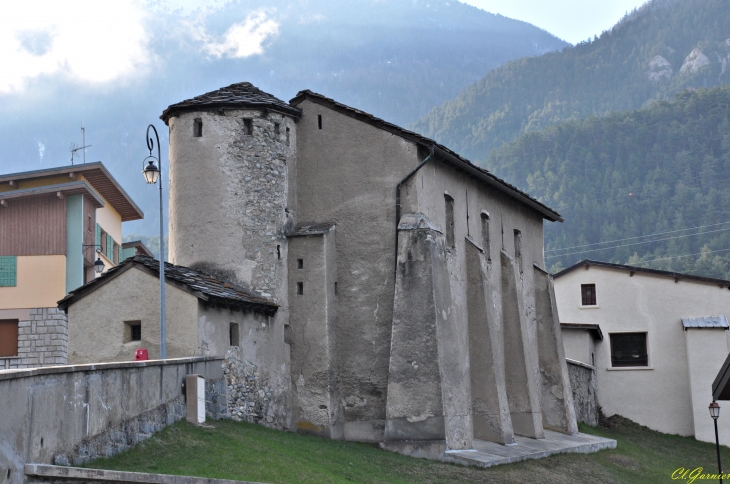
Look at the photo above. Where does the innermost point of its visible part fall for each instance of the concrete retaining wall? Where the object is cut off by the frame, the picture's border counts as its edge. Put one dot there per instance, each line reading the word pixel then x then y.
pixel 70 414
pixel 47 474
pixel 583 383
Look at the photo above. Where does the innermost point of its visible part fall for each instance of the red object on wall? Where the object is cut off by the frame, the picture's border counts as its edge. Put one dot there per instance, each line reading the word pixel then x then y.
pixel 141 355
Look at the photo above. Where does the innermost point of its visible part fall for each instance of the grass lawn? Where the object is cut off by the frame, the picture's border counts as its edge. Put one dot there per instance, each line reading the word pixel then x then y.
pixel 241 451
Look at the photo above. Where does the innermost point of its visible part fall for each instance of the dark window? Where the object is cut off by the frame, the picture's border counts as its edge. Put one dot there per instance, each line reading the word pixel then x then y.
pixel 198 128
pixel 8 337
pixel 319 121
pixel 300 288
pixel 277 130
pixel 287 136
pixel 335 288
pixel 518 248
pixel 629 349
pixel 278 252
pixel 300 263
pixel 132 331
pixel 248 127
pixel 588 294
pixel 234 335
pixel 485 235
pixel 449 202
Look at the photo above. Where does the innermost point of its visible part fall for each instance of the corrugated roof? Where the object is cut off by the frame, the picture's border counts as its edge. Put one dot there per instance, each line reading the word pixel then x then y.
pixel 239 95
pixel 206 287
pixel 442 150
pixel 706 322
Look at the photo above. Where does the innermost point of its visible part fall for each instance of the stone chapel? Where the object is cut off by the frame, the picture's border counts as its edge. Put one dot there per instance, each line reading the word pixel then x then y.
pixel 414 305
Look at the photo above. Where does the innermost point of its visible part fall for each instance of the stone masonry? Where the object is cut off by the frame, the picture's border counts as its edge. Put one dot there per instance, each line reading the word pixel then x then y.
pixel 42 340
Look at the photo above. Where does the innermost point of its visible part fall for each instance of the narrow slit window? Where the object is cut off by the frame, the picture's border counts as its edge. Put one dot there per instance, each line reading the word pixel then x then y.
pixel 300 263
pixel 335 288
pixel 277 130
pixel 287 136
pixel 485 235
pixel 518 248
pixel 449 202
pixel 300 288
pixel 319 121
pixel 247 127
pixel 233 335
pixel 278 252
pixel 588 294
pixel 198 128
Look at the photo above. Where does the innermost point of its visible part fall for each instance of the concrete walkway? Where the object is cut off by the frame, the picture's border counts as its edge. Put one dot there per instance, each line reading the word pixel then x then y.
pixel 488 454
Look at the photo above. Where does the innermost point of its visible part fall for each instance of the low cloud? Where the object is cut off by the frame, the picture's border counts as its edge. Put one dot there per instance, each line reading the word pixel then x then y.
pixel 85 40
pixel 245 38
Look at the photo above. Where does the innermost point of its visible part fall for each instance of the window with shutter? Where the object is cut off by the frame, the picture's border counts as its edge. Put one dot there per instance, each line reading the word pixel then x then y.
pixel 109 247
pixel 8 271
pixel 98 236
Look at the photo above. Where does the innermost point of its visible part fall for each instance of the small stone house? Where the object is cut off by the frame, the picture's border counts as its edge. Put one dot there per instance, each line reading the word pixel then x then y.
pixel 112 316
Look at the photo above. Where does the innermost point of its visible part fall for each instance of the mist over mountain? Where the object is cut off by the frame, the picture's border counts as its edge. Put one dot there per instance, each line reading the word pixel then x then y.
pixel 395 59
pixel 658 50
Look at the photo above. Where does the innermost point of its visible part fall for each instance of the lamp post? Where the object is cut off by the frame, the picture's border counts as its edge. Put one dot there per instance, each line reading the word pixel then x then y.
pixel 152 175
pixel 715 414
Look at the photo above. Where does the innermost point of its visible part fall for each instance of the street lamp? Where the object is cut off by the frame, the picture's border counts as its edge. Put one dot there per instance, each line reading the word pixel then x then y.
pixel 98 266
pixel 715 414
pixel 153 174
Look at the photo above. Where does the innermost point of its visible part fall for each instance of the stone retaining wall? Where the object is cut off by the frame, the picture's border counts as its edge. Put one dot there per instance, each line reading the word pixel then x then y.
pixel 585 400
pixel 71 414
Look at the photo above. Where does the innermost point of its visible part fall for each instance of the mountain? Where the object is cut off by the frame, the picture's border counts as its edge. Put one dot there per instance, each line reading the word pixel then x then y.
pixel 653 53
pixel 645 187
pixel 395 59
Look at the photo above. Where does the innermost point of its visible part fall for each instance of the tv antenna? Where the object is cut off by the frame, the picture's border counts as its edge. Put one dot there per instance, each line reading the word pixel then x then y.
pixel 75 148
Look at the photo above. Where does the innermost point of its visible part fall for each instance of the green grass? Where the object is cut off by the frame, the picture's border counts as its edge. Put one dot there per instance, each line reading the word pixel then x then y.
pixel 241 451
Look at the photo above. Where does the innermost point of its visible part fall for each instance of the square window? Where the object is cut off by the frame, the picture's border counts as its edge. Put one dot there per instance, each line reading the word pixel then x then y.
pixel 8 337
pixel 588 294
pixel 132 331
pixel 629 349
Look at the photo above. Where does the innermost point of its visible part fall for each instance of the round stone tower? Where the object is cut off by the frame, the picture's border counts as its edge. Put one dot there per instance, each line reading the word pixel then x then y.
pixel 231 155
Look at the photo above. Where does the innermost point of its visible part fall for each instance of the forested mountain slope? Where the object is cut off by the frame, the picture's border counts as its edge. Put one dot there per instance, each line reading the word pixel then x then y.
pixel 617 179
pixel 660 49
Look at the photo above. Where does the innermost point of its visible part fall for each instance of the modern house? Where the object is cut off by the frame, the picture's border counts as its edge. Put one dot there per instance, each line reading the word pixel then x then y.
pixel 54 224
pixel 656 339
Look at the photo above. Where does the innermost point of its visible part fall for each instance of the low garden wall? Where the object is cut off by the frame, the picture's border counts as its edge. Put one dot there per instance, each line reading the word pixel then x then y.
pixel 71 414
pixel 583 383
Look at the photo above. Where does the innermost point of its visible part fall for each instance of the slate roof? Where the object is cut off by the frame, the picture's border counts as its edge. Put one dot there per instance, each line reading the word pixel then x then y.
pixel 706 322
pixel 677 276
pixel 239 95
pixel 442 150
pixel 205 287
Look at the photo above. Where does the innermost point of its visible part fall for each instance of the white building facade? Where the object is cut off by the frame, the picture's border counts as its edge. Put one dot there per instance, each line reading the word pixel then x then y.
pixel 664 340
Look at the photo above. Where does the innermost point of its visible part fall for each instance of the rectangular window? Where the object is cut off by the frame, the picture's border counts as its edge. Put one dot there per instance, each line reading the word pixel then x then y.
pixel 588 294
pixel 300 288
pixel 300 263
pixel 132 331
pixel 518 248
pixel 198 128
pixel 233 335
pixel 109 253
pixel 116 253
pixel 319 121
pixel 102 241
pixel 8 337
pixel 449 203
pixel 247 127
pixel 277 130
pixel 629 349
pixel 287 136
pixel 8 271
pixel 485 235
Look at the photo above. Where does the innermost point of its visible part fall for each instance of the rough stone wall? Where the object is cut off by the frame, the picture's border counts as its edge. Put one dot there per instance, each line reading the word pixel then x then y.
pixel 42 340
pixel 216 399
pixel 125 435
pixel 252 397
pixel 585 401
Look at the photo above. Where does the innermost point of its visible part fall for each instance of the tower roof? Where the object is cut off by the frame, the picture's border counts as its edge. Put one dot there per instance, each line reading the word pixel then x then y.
pixel 239 95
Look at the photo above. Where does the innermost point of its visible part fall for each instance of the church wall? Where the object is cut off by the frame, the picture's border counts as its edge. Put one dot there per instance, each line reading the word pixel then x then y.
pixel 347 173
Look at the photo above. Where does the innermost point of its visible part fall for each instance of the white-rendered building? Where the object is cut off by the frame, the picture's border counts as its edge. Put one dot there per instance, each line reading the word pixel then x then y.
pixel 664 340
